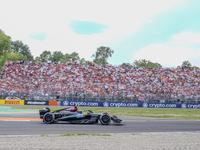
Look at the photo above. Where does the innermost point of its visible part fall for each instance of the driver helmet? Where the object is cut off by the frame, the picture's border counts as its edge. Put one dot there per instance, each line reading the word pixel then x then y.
pixel 75 108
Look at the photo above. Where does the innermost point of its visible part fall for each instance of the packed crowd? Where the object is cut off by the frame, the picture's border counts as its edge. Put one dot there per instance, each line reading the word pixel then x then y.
pixel 100 81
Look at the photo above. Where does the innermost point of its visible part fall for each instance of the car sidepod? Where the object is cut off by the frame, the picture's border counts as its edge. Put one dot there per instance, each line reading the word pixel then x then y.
pixel 78 118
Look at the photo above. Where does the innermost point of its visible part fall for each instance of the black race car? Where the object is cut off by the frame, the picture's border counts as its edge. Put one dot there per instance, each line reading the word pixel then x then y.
pixel 72 115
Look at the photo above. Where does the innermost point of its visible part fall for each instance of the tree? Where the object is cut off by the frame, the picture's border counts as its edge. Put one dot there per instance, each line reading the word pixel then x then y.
pixel 102 54
pixel 186 64
pixel 147 64
pixel 56 56
pixel 37 59
pixel 11 57
pixel 82 61
pixel 5 43
pixel 67 57
pixel 74 57
pixel 16 56
pixel 44 56
pixel 126 65
pixel 20 47
pixel 2 61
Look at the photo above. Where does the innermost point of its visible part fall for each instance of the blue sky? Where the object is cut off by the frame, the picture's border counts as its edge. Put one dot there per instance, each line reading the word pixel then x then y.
pixel 164 31
pixel 87 27
pixel 38 36
pixel 161 28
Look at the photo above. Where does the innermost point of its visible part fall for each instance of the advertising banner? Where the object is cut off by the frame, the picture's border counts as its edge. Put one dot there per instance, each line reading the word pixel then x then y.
pixel 81 103
pixel 160 105
pixel 53 103
pixel 36 102
pixel 195 106
pixel 170 105
pixel 128 104
pixel 11 102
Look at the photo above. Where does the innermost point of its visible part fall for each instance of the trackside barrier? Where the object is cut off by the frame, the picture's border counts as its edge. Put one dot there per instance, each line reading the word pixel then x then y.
pixel 126 104
pixel 36 102
pixel 50 103
pixel 11 102
pixel 53 103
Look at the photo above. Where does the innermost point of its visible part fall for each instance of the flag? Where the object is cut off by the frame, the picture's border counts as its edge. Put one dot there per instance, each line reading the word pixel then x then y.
pixel 128 96
pixel 142 98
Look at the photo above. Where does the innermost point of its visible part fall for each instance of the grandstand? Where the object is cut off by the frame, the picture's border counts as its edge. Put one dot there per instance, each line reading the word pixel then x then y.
pixel 47 81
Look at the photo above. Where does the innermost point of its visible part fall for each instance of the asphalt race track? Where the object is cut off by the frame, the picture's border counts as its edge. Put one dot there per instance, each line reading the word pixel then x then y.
pixel 131 125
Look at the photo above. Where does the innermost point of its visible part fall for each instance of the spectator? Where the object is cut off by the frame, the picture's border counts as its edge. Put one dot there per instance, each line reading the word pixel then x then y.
pixel 98 81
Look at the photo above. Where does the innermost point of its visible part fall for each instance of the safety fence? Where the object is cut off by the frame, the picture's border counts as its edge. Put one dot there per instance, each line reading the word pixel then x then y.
pixel 99 104
pixel 71 97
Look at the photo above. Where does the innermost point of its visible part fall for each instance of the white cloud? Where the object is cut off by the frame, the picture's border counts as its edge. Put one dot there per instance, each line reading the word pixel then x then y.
pixel 187 37
pixel 21 18
pixel 181 47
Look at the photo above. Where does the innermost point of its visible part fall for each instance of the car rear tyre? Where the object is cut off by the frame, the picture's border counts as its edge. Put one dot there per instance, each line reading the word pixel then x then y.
pixel 49 118
pixel 105 119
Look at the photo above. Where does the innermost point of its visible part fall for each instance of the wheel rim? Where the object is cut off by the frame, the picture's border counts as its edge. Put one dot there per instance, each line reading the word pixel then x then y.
pixel 48 118
pixel 105 119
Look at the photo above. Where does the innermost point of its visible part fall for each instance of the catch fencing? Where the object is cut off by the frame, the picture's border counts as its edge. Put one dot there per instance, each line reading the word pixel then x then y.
pixel 102 98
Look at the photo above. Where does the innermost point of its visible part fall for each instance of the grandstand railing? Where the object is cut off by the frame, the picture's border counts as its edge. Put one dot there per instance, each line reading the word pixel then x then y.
pixel 71 97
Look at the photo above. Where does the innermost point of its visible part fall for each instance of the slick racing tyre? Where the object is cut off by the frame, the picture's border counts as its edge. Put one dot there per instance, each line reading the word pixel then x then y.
pixel 105 119
pixel 49 118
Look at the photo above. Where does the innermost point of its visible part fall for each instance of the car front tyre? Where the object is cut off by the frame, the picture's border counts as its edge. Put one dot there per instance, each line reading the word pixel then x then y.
pixel 105 119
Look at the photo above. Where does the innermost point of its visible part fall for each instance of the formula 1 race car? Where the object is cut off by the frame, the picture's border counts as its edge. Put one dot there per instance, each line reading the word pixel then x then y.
pixel 72 115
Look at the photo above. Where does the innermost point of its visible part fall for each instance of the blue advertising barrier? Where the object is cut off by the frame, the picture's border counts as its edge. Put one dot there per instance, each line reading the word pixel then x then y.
pixel 128 104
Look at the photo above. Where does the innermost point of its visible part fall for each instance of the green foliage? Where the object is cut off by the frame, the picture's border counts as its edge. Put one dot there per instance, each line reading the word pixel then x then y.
pixel 20 47
pixel 126 65
pixel 82 61
pixel 16 57
pixel 102 54
pixel 2 61
pixel 189 114
pixel 44 56
pixel 79 134
pixel 37 59
pixel 186 64
pixel 195 67
pixel 11 57
pixel 62 61
pixel 56 56
pixel 5 43
pixel 67 57
pixel 74 57
pixel 147 64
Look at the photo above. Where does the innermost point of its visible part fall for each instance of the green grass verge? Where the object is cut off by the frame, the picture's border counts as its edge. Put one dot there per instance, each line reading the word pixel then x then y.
pixel 79 134
pixel 189 114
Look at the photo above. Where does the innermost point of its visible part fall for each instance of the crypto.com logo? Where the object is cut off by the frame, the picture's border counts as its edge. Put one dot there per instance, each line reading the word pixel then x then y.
pixel 105 104
pixel 183 106
pixel 145 105
pixel 65 103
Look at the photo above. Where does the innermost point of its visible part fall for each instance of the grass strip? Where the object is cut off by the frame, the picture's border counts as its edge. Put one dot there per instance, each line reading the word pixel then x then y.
pixel 79 134
pixel 188 114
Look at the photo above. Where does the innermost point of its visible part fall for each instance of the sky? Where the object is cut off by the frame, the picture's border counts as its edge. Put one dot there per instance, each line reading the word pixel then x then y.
pixel 166 32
